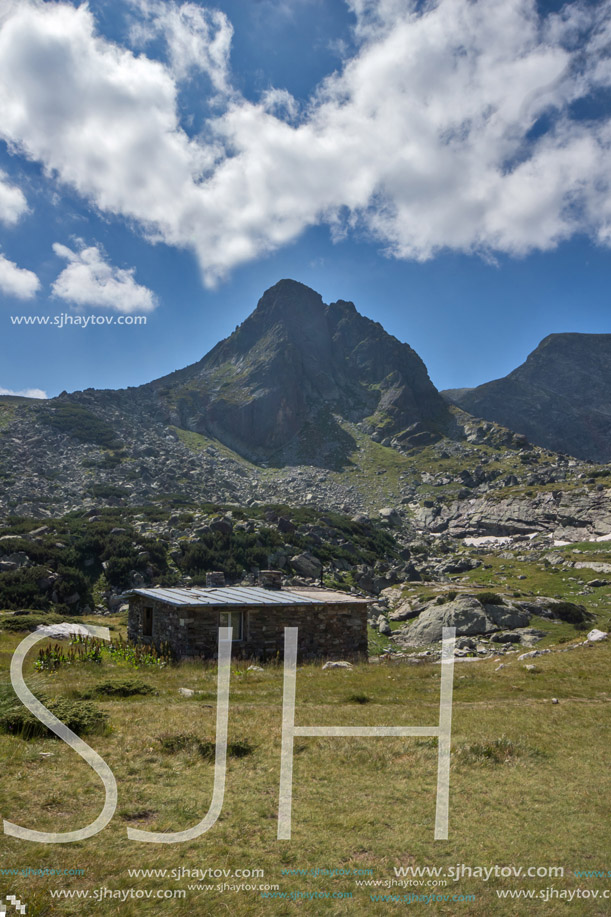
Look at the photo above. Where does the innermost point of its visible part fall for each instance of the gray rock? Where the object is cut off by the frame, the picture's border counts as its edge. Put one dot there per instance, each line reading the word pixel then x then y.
pixel 403 612
pixel 337 665
pixel 596 635
pixel 598 566
pixel 532 654
pixel 390 515
pixel 307 565
pixel 468 615
pixel 505 638
pixel 465 613
pixel 507 617
pixel 465 643
pixel 224 526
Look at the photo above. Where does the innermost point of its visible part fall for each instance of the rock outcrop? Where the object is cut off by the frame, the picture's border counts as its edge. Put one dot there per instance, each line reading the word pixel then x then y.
pixel 468 615
pixel 486 616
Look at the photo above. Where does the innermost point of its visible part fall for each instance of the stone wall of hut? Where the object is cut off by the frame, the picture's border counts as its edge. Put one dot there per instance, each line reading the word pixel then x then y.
pixel 329 631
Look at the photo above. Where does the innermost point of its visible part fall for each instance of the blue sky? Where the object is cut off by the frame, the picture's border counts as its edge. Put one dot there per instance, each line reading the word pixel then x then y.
pixel 446 166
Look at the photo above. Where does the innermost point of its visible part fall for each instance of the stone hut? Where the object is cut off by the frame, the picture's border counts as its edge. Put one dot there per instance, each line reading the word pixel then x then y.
pixel 332 625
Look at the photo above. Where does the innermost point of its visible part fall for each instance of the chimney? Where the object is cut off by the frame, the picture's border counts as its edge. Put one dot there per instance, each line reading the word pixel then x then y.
pixel 217 578
pixel 271 579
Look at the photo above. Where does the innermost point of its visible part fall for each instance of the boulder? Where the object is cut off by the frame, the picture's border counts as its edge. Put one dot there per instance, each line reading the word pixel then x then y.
pixel 468 615
pixel 507 617
pixel 224 526
pixel 465 613
pixel 285 525
pixel 307 565
pixel 403 612
pixel 390 515
pixel 504 637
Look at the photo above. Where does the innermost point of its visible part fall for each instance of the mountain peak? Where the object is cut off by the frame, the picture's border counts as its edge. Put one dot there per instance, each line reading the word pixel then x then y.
pixel 296 367
pixel 294 305
pixel 289 293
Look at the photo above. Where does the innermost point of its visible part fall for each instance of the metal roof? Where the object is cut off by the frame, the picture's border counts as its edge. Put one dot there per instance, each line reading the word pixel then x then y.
pixel 241 595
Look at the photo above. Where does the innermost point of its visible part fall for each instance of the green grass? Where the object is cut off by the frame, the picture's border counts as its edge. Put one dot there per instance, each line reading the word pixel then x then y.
pixel 526 783
pixel 196 442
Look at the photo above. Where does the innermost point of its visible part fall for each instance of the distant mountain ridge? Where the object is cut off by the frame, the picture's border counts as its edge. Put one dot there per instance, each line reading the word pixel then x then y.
pixel 559 398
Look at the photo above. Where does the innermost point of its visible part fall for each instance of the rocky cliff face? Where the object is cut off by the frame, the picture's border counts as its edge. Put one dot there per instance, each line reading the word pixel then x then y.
pixel 276 388
pixel 560 398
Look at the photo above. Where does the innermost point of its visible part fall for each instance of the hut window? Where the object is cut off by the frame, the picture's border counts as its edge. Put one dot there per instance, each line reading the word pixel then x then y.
pixel 233 619
pixel 147 621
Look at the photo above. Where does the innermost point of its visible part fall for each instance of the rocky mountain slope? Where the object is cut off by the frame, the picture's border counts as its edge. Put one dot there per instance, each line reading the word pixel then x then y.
pixel 560 398
pixel 304 404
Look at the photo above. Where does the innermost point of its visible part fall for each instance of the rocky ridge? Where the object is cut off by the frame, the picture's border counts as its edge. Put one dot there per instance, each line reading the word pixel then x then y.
pixel 559 398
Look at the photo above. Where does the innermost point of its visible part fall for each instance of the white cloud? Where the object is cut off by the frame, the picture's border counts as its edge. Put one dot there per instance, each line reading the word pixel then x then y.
pixel 89 280
pixel 17 281
pixel 25 393
pixel 423 140
pixel 12 201
pixel 197 38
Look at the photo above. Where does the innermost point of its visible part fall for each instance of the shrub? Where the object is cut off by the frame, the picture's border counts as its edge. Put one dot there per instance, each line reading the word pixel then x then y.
pixel 446 597
pixel 77 421
pixel 139 654
pixel 123 688
pixel 27 620
pixel 490 598
pixel 20 588
pixel 358 699
pixel 187 741
pixel 107 491
pixel 51 658
pixel 572 614
pixel 80 716
pixel 498 751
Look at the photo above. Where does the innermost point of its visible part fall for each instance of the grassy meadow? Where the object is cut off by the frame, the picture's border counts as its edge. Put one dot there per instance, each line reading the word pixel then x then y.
pixel 529 787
